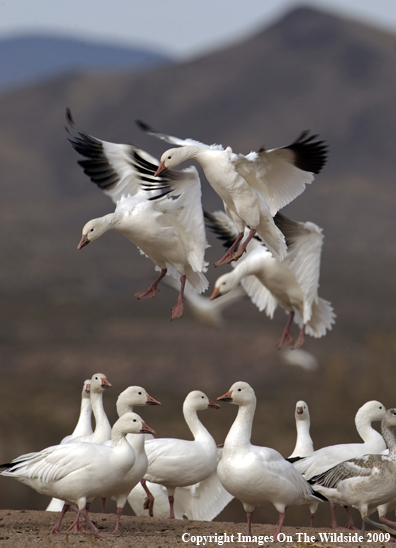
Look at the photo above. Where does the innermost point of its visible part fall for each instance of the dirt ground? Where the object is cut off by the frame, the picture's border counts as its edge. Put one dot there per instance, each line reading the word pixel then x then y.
pixel 26 528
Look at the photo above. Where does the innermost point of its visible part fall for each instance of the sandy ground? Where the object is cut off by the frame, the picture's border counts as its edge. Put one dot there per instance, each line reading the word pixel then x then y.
pixel 26 528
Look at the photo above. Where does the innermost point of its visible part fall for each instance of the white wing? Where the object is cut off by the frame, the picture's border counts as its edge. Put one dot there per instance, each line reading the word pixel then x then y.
pixel 282 174
pixel 174 140
pixel 259 295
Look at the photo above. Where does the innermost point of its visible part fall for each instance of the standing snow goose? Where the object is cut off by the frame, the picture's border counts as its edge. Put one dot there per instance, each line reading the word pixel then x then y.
pixel 325 458
pixel 79 471
pixel 292 283
pixel 366 482
pixel 163 218
pixel 253 187
pixel 83 428
pixel 258 475
pixel 179 463
pixel 304 443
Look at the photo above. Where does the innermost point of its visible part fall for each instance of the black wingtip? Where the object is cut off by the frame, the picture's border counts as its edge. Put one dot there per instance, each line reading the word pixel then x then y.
pixel 69 117
pixel 294 459
pixel 320 496
pixel 143 126
pixel 310 155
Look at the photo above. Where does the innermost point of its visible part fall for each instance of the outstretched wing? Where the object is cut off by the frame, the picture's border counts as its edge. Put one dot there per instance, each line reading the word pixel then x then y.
pixel 281 174
pixel 174 140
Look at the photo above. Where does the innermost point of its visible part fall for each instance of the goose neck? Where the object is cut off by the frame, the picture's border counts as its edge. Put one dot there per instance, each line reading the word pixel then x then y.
pixel 84 419
pixel 195 425
pixel 241 430
pixel 101 420
pixel 364 428
pixel 122 406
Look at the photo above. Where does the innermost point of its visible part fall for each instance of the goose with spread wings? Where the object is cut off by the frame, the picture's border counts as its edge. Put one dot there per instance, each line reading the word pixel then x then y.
pixel 292 283
pixel 253 187
pixel 161 216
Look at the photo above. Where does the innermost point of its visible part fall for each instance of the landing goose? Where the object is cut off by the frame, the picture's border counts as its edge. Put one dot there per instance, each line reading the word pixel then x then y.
pixel 78 471
pixel 163 218
pixel 325 458
pixel 304 443
pixel 365 482
pixel 253 187
pixel 179 463
pixel 258 475
pixel 292 283
pixel 83 428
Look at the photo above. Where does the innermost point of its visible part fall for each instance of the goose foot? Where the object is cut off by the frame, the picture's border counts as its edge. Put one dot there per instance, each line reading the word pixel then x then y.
pixel 151 291
pixel 300 339
pixel 286 337
pixel 55 529
pixel 230 256
pixel 178 309
pixel 149 500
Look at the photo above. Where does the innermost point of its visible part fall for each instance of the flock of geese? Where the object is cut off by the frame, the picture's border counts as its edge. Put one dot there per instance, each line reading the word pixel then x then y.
pixel 160 211
pixel 166 477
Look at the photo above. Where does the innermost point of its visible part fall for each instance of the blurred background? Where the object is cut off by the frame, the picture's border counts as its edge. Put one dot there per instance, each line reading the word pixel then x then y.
pixel 244 74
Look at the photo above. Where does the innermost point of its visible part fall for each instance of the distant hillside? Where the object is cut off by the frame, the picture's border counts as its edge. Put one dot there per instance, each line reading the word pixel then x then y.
pixel 29 58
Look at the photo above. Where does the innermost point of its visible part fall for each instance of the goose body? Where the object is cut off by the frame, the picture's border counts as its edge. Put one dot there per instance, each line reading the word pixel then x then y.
pixel 162 217
pixel 179 463
pixel 365 482
pixel 253 187
pixel 292 283
pixel 79 471
pixel 257 475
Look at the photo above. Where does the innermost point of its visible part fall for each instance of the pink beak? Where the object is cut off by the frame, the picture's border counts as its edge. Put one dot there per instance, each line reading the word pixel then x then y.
pixel 84 241
pixel 161 168
pixel 226 397
pixel 216 293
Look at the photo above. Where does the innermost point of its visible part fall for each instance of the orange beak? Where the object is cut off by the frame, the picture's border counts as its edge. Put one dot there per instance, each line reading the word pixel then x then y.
pixel 152 401
pixel 227 397
pixel 84 242
pixel 88 388
pixel 161 169
pixel 216 293
pixel 105 383
pixel 213 405
pixel 146 429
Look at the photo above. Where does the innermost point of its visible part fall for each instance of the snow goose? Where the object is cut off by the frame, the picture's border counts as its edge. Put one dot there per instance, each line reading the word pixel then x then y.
pixel 163 218
pixel 202 501
pixel 292 283
pixel 365 482
pixel 179 463
pixel 79 471
pixel 258 475
pixel 83 428
pixel 304 443
pixel 253 187
pixel 325 458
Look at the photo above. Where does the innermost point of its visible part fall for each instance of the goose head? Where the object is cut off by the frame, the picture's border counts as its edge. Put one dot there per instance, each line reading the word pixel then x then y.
pixel 131 423
pixel 172 158
pixel 93 230
pixel 198 401
pixel 240 393
pixel 302 412
pixel 223 285
pixel 135 395
pixel 99 383
pixel 371 411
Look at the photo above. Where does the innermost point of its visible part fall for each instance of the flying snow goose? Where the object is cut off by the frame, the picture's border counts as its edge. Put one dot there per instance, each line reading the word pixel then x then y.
pixel 253 187
pixel 179 463
pixel 83 428
pixel 258 475
pixel 325 458
pixel 304 443
pixel 163 218
pixel 202 501
pixel 292 283
pixel 79 471
pixel 366 482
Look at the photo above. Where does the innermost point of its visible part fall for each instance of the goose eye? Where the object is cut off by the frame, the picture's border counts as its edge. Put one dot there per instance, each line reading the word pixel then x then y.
pixel 91 230
pixel 134 420
pixel 139 393
pixel 202 397
pixel 239 389
pixel 169 157
pixel 380 407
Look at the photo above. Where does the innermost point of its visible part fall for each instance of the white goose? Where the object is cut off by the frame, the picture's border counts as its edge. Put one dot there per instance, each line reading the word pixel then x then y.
pixel 292 283
pixel 163 218
pixel 325 458
pixel 258 475
pixel 179 463
pixel 304 443
pixel 365 482
pixel 253 187
pixel 83 428
pixel 78 471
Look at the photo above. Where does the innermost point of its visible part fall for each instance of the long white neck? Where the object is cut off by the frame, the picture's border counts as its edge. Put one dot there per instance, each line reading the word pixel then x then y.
pixel 368 434
pixel 102 425
pixel 84 424
pixel 123 406
pixel 241 430
pixel 198 430
pixel 304 444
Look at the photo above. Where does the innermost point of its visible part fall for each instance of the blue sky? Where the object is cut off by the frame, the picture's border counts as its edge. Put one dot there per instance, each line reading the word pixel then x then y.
pixel 183 28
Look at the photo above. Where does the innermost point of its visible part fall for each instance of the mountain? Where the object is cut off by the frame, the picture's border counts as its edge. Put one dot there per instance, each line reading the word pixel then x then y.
pixel 32 58
pixel 69 313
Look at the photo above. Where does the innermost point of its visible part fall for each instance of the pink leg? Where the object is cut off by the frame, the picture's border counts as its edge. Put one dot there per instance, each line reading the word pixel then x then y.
pixel 177 310
pixel 249 523
pixel 286 337
pixel 103 506
pixel 311 520
pixel 55 528
pixel 229 255
pixel 119 512
pixel 149 501
pixel 243 246
pixel 150 291
pixel 75 526
pixel 300 339
pixel 279 524
pixel 89 522
pixel 350 525
pixel 388 521
pixel 171 501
